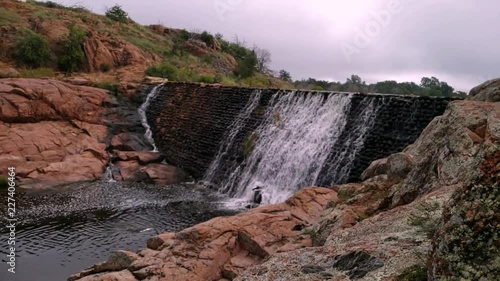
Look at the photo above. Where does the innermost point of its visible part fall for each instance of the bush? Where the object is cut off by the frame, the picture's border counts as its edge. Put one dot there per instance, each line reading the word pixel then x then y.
pixel 105 67
pixel 4 183
pixel 162 70
pixel 207 38
pixel 32 50
pixel 206 79
pixel 247 66
pixel 116 13
pixel 71 49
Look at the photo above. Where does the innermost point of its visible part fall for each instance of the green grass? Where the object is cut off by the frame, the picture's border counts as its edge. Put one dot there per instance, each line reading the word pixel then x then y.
pixel 8 17
pixel 37 72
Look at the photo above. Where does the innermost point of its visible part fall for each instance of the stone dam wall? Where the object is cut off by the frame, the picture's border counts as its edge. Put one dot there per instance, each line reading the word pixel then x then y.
pixel 189 122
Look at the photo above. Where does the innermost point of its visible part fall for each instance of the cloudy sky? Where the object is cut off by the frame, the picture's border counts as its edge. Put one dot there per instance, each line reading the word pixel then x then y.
pixel 457 41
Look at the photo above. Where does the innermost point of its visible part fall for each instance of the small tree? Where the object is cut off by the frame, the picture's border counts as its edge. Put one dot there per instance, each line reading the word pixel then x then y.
pixel 247 66
pixel 32 49
pixel 72 50
pixel 285 76
pixel 263 59
pixel 116 13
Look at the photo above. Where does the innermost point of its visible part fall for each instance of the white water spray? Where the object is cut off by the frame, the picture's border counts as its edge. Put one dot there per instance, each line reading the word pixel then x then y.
pixel 144 120
pixel 290 147
pixel 233 130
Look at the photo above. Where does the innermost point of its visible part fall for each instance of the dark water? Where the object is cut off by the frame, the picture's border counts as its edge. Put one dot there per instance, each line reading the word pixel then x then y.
pixel 60 232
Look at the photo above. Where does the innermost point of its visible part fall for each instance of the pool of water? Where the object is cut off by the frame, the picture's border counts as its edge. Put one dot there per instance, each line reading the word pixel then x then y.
pixel 65 230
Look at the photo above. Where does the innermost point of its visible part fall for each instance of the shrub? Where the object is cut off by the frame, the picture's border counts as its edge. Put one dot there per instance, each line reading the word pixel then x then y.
pixel 71 49
pixel 116 13
pixel 105 67
pixel 206 79
pixel 317 88
pixel 184 34
pixel 4 183
pixel 162 70
pixel 32 50
pixel 37 72
pixel 207 38
pixel 246 67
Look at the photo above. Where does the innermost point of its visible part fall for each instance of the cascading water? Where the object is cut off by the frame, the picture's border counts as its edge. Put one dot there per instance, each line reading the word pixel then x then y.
pixel 235 128
pixel 144 120
pixel 342 163
pixel 289 148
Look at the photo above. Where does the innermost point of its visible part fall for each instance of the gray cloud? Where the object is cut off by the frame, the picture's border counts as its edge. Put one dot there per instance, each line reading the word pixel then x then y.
pixel 456 41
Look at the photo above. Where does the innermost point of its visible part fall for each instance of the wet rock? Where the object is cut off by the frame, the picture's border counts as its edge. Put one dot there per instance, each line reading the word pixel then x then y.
pixel 162 174
pixel 487 91
pixel 130 141
pixel 358 264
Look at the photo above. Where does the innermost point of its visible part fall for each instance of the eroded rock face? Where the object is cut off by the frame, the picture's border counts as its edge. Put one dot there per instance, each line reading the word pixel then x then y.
pixel 224 247
pixel 451 149
pixel 52 132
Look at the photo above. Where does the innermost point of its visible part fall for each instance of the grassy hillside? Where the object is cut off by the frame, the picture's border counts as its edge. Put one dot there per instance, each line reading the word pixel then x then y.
pixel 46 39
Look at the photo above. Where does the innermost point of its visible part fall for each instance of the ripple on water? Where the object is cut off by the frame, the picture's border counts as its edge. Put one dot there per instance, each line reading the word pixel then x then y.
pixel 63 231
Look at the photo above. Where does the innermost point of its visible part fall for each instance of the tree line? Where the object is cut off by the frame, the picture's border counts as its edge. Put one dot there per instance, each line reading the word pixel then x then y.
pixel 429 86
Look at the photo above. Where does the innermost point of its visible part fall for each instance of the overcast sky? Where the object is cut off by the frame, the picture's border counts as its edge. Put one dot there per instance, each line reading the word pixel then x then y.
pixel 458 41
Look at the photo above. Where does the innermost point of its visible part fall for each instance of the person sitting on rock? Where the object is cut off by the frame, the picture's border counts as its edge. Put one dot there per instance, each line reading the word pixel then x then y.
pixel 257 194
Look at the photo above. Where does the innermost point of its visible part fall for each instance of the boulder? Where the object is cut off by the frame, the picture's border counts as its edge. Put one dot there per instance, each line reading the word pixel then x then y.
pixel 488 91
pixel 52 132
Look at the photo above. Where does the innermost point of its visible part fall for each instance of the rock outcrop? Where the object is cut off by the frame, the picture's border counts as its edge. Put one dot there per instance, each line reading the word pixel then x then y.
pixel 52 132
pixel 488 91
pixel 389 227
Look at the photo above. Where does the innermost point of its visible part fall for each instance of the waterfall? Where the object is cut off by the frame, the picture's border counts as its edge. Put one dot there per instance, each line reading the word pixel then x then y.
pixel 144 120
pixel 233 130
pixel 110 168
pixel 343 161
pixel 288 150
